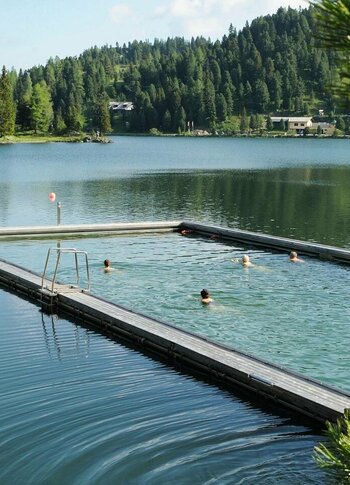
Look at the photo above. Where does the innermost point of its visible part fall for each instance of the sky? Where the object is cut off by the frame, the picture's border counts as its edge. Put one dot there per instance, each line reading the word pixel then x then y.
pixel 32 31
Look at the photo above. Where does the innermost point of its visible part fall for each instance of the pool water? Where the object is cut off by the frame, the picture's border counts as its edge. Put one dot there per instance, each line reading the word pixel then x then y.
pixel 79 408
pixel 295 315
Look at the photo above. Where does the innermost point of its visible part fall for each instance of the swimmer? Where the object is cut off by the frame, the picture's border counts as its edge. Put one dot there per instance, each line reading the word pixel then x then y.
pixel 205 297
pixel 246 261
pixel 293 257
pixel 107 265
pixel 184 232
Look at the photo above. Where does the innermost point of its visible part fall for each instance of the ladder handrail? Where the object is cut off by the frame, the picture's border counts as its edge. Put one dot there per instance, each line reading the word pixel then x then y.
pixel 59 252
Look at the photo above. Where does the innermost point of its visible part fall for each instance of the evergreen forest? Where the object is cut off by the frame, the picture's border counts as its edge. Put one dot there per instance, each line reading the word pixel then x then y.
pixel 272 66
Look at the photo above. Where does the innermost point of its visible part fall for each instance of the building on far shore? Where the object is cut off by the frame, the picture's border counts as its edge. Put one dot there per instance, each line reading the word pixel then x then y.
pixel 121 106
pixel 325 128
pixel 292 123
pixel 120 114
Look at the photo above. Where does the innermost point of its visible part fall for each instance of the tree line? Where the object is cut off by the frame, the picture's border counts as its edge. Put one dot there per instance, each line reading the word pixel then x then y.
pixel 271 66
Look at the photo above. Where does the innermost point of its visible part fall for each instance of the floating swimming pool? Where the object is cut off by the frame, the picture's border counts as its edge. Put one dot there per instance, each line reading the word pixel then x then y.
pixel 77 407
pixel 295 315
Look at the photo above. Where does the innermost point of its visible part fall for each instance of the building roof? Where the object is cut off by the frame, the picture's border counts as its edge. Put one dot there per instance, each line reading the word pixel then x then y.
pixel 121 105
pixel 291 119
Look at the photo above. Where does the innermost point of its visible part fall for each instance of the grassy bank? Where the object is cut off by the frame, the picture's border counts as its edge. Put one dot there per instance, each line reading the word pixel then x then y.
pixel 33 138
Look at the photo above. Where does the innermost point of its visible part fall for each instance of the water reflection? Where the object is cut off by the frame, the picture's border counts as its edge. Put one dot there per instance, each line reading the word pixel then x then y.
pixel 293 188
pixel 93 411
pixel 304 203
pixel 58 346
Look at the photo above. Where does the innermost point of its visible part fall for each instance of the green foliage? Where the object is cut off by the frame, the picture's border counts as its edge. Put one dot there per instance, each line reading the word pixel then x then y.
pixel 269 124
pixel 230 126
pixel 244 122
pixel 41 108
pixel 335 455
pixel 101 118
pixel 24 92
pixel 7 106
pixel 269 66
pixel 340 123
pixel 333 31
pixel 154 132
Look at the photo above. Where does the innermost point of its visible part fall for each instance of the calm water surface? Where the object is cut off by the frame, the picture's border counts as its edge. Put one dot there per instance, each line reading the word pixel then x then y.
pixel 294 187
pixel 78 408
pixel 296 315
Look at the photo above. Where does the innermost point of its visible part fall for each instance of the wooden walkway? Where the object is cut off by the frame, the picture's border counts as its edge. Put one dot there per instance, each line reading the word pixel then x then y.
pixel 224 365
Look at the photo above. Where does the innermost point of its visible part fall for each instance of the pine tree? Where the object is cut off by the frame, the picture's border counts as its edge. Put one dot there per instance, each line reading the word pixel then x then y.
pixel 41 108
pixel 340 124
pixel 262 96
pixel 166 122
pixel 221 107
pixel 101 119
pixel 244 122
pixel 7 105
pixel 269 124
pixel 23 93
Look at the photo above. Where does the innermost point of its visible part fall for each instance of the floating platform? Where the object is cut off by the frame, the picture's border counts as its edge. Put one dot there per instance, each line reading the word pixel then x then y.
pixel 245 238
pixel 224 365
pixel 88 229
pixel 266 241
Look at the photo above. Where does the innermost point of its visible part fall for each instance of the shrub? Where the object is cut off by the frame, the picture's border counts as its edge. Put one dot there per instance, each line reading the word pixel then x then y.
pixel 335 455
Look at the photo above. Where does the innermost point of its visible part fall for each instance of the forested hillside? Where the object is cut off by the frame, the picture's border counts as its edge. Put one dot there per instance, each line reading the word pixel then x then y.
pixel 270 66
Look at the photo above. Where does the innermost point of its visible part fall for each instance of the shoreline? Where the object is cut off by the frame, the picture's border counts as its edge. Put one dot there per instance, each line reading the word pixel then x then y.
pixel 27 139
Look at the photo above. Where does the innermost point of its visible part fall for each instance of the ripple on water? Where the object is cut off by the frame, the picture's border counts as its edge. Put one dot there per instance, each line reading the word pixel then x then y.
pixel 80 408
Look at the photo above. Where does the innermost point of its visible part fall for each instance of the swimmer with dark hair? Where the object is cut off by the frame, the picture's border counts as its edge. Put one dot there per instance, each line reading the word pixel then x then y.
pixel 205 297
pixel 293 257
pixel 107 265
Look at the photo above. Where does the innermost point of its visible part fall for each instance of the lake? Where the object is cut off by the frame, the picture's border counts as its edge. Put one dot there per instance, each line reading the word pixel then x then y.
pixel 297 188
pixel 79 406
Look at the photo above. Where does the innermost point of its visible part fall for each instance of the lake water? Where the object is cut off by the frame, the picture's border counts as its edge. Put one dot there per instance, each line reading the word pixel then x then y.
pixel 294 188
pixel 78 408
pixel 295 315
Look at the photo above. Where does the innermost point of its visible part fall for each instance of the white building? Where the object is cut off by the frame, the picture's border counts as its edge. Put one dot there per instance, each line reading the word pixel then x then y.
pixel 121 106
pixel 297 123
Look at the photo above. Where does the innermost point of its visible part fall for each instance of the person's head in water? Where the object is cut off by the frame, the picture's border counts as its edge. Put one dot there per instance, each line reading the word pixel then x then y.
pixel 205 296
pixel 246 260
pixel 293 256
pixel 107 265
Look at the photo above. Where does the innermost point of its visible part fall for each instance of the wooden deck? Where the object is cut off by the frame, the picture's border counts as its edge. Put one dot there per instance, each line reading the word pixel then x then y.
pixel 224 365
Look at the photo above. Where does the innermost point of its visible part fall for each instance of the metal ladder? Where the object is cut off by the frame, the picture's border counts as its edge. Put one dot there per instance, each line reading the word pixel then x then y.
pixel 54 288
